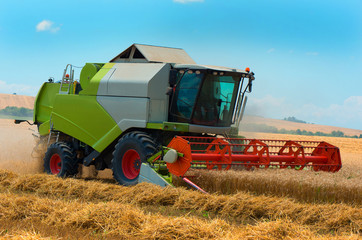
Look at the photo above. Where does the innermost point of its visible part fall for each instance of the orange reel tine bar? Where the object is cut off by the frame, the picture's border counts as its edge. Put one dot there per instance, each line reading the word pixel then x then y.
pixel 222 153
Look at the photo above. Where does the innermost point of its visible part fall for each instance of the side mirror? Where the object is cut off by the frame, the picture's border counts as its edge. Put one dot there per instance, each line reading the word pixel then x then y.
pixel 250 85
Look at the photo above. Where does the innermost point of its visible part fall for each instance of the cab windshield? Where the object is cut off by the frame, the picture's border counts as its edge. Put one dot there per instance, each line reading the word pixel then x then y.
pixel 205 98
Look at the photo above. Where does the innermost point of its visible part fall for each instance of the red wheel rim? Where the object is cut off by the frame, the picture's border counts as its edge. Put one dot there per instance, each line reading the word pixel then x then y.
pixel 131 164
pixel 55 164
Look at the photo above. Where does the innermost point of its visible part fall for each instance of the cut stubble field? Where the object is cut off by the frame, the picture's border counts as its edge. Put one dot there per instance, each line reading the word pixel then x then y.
pixel 260 204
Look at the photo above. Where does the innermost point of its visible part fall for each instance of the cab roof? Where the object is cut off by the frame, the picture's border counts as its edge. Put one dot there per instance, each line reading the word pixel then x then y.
pixel 140 53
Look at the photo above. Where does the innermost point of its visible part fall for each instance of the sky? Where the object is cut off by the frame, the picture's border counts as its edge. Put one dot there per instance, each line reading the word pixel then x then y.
pixel 306 54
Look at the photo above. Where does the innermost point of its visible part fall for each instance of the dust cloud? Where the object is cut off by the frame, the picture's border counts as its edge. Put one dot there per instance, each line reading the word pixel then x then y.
pixel 23 153
pixel 19 149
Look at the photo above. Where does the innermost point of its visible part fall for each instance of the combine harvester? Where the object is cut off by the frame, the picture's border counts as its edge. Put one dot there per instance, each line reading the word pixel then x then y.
pixel 152 112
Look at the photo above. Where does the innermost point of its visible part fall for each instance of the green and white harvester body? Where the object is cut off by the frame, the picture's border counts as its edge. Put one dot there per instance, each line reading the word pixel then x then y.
pixel 147 114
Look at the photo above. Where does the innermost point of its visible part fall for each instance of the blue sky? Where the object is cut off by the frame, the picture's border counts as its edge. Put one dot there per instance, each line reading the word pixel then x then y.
pixel 306 55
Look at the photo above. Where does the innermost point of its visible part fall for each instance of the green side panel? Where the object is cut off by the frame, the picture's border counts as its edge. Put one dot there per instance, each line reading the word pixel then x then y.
pixel 88 72
pixel 92 86
pixel 107 139
pixel 83 118
pixel 169 126
pixel 44 128
pixel 44 101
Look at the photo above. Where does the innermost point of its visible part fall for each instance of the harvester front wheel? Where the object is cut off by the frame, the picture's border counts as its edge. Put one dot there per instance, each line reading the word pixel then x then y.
pixel 60 160
pixel 131 151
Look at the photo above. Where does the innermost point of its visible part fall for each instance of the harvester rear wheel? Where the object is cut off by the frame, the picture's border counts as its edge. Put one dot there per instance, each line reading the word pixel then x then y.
pixel 60 160
pixel 130 151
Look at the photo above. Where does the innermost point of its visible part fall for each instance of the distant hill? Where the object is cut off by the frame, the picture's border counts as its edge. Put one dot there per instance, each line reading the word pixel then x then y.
pixel 288 125
pixel 16 101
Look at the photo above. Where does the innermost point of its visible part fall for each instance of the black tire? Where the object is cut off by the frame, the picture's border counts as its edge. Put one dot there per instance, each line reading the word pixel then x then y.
pixel 130 151
pixel 60 160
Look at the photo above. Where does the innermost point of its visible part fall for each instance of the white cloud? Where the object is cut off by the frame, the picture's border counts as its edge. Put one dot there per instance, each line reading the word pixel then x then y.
pixel 345 114
pixel 312 53
pixel 271 50
pixel 46 25
pixel 20 89
pixel 348 111
pixel 187 1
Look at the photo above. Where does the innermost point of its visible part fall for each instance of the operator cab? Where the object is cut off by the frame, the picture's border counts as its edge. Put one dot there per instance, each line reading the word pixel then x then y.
pixel 206 96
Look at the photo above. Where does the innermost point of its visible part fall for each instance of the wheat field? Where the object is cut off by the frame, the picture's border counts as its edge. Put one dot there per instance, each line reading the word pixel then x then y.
pixel 145 211
pixel 16 101
pixel 263 204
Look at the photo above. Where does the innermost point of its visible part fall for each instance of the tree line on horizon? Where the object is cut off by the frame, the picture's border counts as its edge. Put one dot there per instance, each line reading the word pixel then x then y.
pixel 294 119
pixel 17 112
